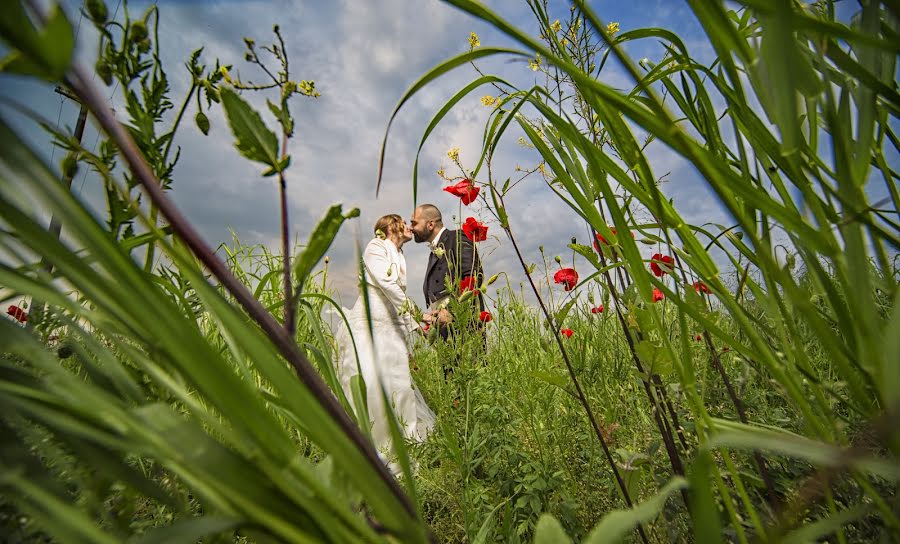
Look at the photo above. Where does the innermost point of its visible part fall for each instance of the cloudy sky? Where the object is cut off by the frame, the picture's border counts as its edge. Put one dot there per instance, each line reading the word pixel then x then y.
pixel 362 56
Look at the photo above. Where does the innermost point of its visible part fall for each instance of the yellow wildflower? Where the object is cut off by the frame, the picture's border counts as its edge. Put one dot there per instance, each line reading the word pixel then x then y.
pixel 612 28
pixel 542 169
pixel 453 154
pixel 556 26
pixel 535 63
pixel 441 173
pixel 473 40
pixel 488 100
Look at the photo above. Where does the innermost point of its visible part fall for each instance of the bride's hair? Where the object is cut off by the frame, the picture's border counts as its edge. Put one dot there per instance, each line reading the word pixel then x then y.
pixel 389 225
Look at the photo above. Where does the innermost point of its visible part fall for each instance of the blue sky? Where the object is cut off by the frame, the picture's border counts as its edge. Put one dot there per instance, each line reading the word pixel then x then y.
pixel 362 56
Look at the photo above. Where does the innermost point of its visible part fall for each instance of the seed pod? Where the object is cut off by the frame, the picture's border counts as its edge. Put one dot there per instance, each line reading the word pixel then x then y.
pixel 104 71
pixel 69 166
pixel 138 31
pixel 97 11
pixel 557 259
pixel 202 122
pixel 64 351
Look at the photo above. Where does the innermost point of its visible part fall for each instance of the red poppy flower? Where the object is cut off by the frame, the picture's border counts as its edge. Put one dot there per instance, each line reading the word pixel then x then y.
pixel 468 283
pixel 603 241
pixel 465 190
pixel 18 313
pixel 566 276
pixel 426 326
pixel 474 230
pixel 566 332
pixel 658 259
pixel 485 317
pixel 597 310
pixel 657 295
pixel 700 287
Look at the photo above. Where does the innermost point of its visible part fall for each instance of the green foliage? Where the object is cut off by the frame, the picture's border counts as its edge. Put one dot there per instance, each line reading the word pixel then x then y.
pixel 813 76
pixel 45 53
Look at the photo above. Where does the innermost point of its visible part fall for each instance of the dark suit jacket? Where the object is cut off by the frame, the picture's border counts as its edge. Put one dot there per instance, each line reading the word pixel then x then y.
pixel 460 260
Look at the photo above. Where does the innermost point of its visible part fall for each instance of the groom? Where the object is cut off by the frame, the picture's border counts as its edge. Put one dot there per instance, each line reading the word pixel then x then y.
pixel 453 255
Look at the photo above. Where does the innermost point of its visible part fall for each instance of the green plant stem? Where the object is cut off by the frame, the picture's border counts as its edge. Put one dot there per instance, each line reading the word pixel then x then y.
pixel 154 210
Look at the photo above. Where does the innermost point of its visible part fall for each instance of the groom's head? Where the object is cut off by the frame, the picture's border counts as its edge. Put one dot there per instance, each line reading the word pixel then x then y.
pixel 426 222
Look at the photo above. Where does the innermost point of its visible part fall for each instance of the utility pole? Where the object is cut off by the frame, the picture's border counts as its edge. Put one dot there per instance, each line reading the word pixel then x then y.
pixel 55 225
pixel 39 307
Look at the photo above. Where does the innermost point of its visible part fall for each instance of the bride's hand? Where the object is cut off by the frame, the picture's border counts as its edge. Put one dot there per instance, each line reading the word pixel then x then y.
pixel 444 317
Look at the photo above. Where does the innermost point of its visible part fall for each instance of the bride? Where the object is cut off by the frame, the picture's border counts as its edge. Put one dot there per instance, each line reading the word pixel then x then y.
pixel 384 353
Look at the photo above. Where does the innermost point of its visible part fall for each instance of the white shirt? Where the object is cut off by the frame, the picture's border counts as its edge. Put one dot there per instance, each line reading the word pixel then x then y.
pixel 434 243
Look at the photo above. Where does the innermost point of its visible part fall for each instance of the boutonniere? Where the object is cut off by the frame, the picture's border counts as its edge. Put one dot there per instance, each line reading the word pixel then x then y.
pixel 438 251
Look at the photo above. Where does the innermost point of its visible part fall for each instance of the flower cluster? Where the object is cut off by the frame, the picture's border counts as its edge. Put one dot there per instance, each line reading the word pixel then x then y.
pixel 453 154
pixel 597 309
pixel 488 100
pixel 612 28
pixel 473 40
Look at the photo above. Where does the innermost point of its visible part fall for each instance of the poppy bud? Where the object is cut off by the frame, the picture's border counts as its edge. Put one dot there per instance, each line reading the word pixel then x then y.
pixel 138 31
pixel 466 296
pixel 144 45
pixel 327 259
pixel 64 351
pixel 557 259
pixel 492 279
pixel 591 298
pixel 97 11
pixel 69 166
pixel 202 122
pixel 104 71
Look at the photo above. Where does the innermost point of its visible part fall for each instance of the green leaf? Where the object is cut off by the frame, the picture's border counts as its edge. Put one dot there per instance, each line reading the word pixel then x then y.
pixel 46 53
pixel 732 434
pixel 616 525
pixel 189 530
pixel 549 531
pixel 253 139
pixel 319 242
pixel 818 530
pixel 705 520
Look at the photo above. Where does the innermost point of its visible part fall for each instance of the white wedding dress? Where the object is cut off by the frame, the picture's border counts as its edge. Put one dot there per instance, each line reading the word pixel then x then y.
pixel 384 354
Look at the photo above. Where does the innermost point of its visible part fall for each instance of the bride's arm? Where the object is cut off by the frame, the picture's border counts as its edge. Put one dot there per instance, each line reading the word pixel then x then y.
pixel 386 274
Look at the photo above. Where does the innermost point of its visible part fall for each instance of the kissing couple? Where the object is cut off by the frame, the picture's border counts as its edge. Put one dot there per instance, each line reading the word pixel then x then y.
pixel 382 355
